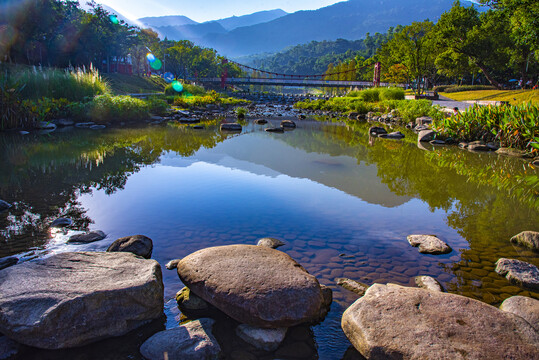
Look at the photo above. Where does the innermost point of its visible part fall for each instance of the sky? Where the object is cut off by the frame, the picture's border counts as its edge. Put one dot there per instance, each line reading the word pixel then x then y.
pixel 204 10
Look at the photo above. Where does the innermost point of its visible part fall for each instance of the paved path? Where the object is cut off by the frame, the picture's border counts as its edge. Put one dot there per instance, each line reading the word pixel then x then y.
pixel 450 104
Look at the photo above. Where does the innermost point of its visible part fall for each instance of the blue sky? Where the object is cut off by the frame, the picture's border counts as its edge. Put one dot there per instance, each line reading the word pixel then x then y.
pixel 204 10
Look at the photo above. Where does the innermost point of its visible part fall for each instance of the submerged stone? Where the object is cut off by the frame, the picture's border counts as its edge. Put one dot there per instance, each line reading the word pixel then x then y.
pixel 428 283
pixel 262 339
pixel 191 341
pixel 270 242
pixel 396 322
pixel 352 285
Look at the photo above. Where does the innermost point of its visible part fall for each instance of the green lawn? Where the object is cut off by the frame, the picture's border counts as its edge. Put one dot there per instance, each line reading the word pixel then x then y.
pixel 514 97
pixel 122 84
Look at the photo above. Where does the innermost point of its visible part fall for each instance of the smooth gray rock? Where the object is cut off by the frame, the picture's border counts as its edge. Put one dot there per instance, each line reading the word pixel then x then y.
pixel 61 222
pixel 45 125
pixel 254 285
pixel 191 341
pixel 274 130
pixel 519 272
pixel 525 307
pixel 8 261
pixel 262 339
pixel 478 147
pixel 429 244
pixel 426 135
pixel 4 205
pixel 172 264
pixel 84 124
pixel 8 348
pixel 424 120
pixel 428 283
pixel 397 135
pixel 352 285
pixel 64 122
pixel 231 127
pixel 377 130
pixel 396 322
pixel 288 124
pixel 72 299
pixel 137 244
pixel 89 237
pixel 97 127
pixel 527 238
pixel 270 242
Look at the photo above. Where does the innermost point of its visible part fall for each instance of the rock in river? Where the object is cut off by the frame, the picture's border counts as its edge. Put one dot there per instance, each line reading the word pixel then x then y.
pixel 254 285
pixel 527 238
pixel 61 222
pixel 86 238
pixel 191 341
pixel 72 299
pixel 396 322
pixel 270 242
pixel 428 283
pixel 429 244
pixel 519 272
pixel 426 135
pixel 4 205
pixel 352 285
pixel 525 307
pixel 263 339
pixel 138 244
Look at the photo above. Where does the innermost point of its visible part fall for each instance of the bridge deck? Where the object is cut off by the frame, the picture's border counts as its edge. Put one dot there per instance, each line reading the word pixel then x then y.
pixel 294 82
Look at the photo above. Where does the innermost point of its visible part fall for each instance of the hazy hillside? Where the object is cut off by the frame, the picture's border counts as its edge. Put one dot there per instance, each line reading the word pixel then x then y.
pixel 193 32
pixel 347 20
pixel 234 22
pixel 171 20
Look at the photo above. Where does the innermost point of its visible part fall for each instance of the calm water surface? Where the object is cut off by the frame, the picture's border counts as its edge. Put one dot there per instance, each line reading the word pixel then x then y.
pixel 342 203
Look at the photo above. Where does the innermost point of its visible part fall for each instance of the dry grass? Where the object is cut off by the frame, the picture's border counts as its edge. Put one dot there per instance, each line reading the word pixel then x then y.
pixel 514 97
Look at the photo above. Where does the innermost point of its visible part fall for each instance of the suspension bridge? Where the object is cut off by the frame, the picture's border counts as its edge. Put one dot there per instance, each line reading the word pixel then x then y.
pixel 267 78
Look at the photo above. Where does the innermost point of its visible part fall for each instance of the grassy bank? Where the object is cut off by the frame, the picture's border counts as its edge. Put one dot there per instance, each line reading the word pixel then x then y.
pixel 121 84
pixel 514 97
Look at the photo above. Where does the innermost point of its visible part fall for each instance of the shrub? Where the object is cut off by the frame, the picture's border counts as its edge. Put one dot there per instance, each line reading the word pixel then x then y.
pixel 512 126
pixel 392 94
pixel 157 106
pixel 74 85
pixel 370 95
pixel 106 108
pixel 454 89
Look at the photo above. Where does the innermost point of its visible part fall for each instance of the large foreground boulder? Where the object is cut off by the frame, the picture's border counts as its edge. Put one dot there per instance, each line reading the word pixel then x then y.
pixel 396 322
pixel 254 285
pixel 72 299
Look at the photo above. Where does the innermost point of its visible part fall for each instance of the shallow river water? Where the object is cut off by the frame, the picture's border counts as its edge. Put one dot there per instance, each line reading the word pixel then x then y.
pixel 341 202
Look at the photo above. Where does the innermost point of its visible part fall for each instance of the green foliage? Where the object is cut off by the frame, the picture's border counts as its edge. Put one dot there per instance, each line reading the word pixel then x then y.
pixel 188 90
pixel 106 108
pixel 461 88
pixel 10 104
pixel 75 85
pixel 157 106
pixel 241 112
pixel 45 109
pixel 512 126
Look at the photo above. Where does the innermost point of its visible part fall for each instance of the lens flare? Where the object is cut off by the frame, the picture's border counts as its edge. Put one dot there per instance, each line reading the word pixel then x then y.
pixel 114 19
pixel 177 86
pixel 151 58
pixel 156 64
pixel 168 77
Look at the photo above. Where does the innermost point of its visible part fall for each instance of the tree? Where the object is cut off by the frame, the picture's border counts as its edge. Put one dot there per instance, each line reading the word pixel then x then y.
pixel 414 48
pixel 481 38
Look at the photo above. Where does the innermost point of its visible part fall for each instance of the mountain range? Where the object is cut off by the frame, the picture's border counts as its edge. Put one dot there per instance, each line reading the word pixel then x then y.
pixel 272 31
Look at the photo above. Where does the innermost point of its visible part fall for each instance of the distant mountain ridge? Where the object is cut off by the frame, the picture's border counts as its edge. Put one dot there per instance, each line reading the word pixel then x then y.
pixel 169 20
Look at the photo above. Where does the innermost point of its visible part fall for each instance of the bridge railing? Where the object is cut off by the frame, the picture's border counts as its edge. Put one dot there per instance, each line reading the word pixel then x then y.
pixel 294 82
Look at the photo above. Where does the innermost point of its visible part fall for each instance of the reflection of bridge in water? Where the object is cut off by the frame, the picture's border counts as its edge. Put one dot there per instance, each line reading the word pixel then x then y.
pixel 293 82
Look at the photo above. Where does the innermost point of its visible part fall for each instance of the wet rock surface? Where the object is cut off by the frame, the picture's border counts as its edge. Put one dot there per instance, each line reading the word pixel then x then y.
pixel 270 243
pixel 8 348
pixel 529 239
pixel 426 136
pixel 396 322
pixel 4 205
pixel 428 283
pixel 254 285
pixel 61 222
pixel 172 264
pixel 87 237
pixel 525 307
pixel 191 341
pixel 138 244
pixel 519 272
pixel 429 244
pixel 72 299
pixel 260 338
pixel 352 285
pixel 8 261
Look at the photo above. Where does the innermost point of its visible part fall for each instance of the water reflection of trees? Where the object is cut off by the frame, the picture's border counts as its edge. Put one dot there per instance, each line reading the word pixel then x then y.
pixel 43 176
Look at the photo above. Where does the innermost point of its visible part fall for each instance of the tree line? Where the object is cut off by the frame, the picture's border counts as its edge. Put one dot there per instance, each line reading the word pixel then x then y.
pixel 486 47
pixel 58 33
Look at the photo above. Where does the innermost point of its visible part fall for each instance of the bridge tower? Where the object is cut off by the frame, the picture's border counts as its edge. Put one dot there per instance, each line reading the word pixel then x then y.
pixel 377 72
pixel 224 75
